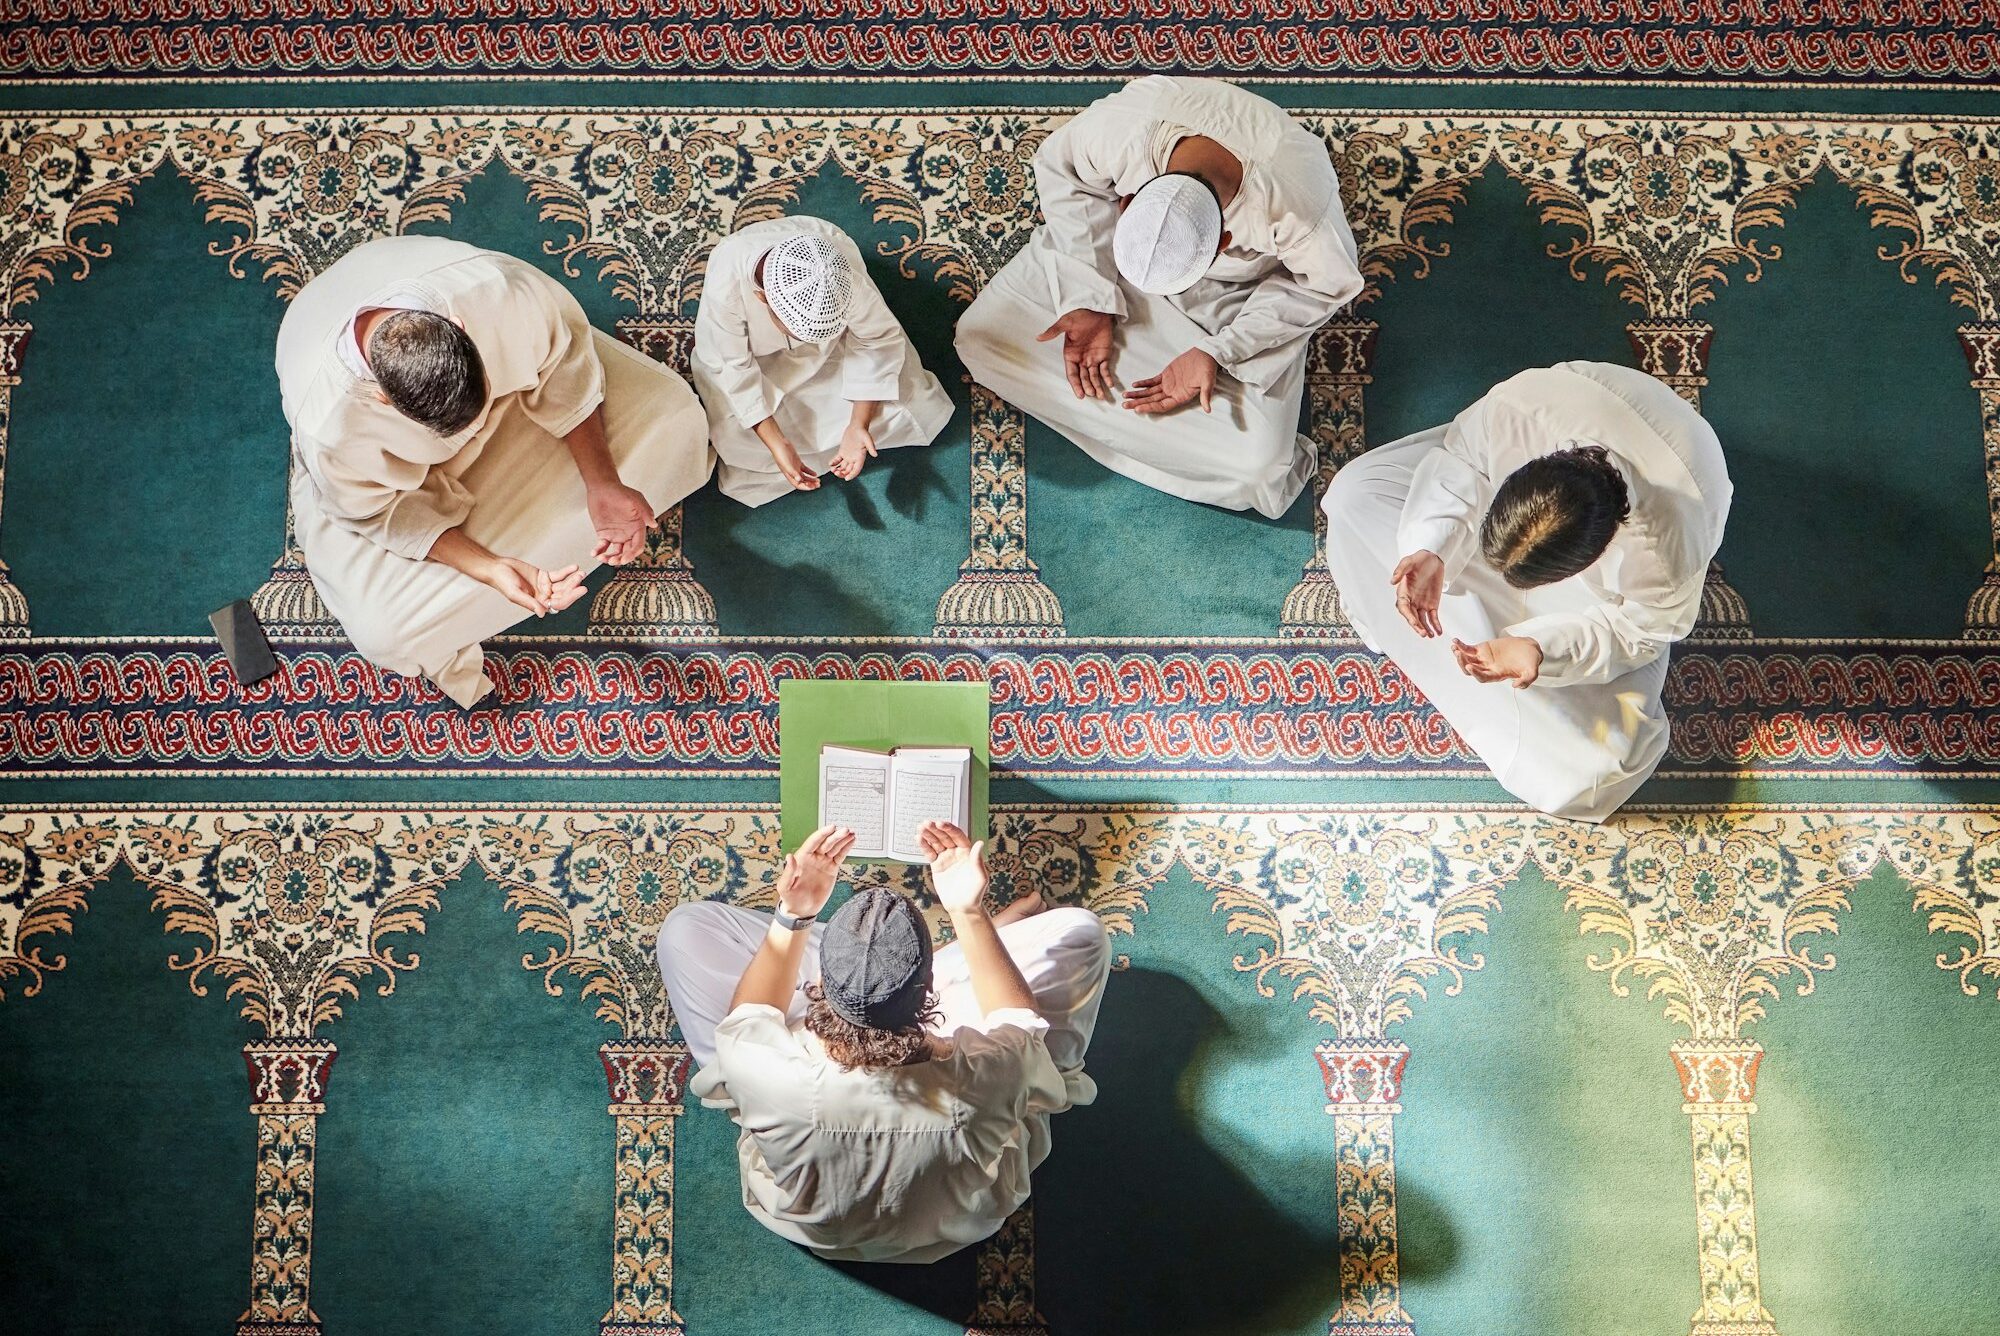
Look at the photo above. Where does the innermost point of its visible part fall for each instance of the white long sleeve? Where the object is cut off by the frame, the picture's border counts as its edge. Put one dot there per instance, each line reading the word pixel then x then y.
pixel 1319 276
pixel 1645 590
pixel 1448 497
pixel 1078 170
pixel 871 348
pixel 722 345
pixel 1607 641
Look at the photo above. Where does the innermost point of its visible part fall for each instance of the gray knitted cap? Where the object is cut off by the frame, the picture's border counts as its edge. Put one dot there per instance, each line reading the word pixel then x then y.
pixel 875 961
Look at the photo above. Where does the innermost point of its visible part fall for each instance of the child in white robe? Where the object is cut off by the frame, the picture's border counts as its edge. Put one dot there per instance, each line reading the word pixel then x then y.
pixel 1588 727
pixel 802 367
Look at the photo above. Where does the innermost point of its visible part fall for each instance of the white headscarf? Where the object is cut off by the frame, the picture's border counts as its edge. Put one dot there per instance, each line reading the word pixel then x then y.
pixel 1168 235
pixel 808 283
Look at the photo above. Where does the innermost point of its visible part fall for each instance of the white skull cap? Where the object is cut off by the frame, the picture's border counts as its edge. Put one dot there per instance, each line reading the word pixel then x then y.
pixel 1168 235
pixel 808 283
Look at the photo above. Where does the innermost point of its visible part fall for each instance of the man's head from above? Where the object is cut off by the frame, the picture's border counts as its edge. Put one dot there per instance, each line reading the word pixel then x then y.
pixel 428 370
pixel 806 282
pixel 1168 234
pixel 873 999
pixel 1554 516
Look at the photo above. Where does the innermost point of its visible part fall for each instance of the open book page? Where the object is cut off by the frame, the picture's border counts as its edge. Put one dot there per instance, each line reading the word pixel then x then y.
pixel 928 784
pixel 854 792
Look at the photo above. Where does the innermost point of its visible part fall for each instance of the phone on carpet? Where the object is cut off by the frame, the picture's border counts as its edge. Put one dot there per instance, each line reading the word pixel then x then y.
pixel 242 637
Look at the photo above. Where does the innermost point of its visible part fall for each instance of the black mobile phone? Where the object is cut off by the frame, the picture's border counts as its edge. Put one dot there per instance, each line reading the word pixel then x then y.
pixel 242 637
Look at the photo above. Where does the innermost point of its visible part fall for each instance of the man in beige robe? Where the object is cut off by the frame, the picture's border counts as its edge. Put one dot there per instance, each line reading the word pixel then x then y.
pixel 466 448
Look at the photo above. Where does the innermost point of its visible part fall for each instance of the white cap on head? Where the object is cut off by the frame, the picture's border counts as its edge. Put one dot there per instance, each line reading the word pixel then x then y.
pixel 1168 235
pixel 808 283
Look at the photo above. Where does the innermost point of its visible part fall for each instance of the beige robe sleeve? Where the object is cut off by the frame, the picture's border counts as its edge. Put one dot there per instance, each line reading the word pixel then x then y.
pixel 540 322
pixel 370 487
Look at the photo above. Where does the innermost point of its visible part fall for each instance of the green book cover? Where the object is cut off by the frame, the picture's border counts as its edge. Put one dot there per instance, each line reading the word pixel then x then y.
pixel 877 716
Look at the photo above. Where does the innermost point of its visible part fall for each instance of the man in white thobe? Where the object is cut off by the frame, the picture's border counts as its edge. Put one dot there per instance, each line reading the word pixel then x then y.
pixel 1213 360
pixel 466 448
pixel 802 366
pixel 1528 565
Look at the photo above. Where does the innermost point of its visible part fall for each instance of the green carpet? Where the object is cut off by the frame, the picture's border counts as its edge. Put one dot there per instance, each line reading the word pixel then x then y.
pixel 1386 1053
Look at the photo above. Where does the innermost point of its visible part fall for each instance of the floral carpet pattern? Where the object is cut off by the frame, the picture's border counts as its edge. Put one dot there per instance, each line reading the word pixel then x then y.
pixel 1385 1052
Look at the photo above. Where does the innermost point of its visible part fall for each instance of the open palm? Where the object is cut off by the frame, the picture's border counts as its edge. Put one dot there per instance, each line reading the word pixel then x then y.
pixel 958 866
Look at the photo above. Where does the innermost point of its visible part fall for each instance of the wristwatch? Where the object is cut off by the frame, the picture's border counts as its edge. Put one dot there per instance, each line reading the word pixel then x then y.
pixel 791 922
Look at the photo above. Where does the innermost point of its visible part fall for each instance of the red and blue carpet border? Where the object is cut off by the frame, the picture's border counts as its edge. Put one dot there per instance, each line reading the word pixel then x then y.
pixel 1071 708
pixel 1700 42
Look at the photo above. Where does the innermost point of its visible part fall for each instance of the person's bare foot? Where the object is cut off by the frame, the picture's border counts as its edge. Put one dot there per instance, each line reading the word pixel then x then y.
pixel 1027 906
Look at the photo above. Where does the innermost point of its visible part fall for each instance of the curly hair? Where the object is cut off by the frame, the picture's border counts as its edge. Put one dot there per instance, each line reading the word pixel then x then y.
pixel 1554 516
pixel 858 1047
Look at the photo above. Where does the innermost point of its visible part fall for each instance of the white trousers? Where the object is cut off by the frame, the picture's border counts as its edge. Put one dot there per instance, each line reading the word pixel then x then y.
pixel 1576 751
pixel 1244 454
pixel 426 619
pixel 813 412
pixel 1064 954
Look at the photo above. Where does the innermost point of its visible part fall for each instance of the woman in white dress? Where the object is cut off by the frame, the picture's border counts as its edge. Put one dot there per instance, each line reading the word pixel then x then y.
pixel 802 367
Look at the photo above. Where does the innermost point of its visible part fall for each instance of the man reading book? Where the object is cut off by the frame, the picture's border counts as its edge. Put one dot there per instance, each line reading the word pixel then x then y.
pixel 890 1102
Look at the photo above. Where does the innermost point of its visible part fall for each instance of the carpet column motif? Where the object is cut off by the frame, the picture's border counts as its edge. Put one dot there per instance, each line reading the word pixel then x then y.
pixel 56 192
pixel 291 912
pixel 287 603
pixel 1719 1084
pixel 647 1078
pixel 999 590
pixel 1357 911
pixel 1338 369
pixel 657 594
pixel 1952 864
pixel 288 1079
pixel 1981 341
pixel 13 345
pixel 592 889
pixel 1711 911
pixel 1934 191
pixel 1666 211
pixel 1006 1277
pixel 1364 1090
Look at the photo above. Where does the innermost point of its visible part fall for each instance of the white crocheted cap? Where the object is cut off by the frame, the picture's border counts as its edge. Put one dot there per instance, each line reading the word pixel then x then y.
pixel 1168 235
pixel 808 283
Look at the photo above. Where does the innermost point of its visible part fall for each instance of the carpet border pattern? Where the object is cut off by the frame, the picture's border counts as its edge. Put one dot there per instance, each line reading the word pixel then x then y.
pixel 1814 43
